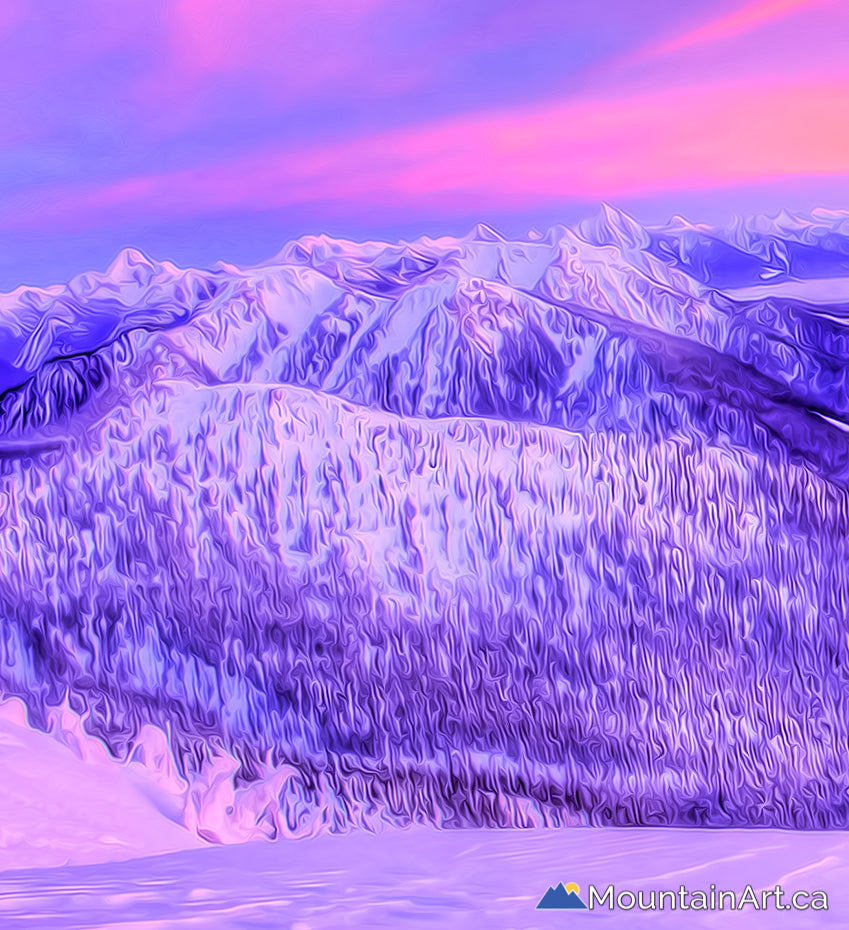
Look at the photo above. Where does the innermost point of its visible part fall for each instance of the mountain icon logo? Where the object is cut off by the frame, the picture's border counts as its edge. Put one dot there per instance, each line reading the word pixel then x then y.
pixel 562 898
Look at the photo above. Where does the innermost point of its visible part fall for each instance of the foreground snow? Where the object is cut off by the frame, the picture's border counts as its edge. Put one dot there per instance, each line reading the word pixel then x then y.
pixel 425 877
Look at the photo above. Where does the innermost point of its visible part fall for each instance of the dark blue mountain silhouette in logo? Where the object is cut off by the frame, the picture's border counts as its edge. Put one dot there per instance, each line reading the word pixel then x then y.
pixel 560 899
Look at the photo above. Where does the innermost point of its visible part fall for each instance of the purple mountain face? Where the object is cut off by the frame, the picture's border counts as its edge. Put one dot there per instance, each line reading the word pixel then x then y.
pixel 462 531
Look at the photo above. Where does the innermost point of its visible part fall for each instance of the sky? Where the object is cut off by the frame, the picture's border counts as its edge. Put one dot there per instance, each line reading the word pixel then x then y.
pixel 206 130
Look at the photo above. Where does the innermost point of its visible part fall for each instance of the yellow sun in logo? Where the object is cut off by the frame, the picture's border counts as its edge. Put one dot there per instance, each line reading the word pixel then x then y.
pixel 573 887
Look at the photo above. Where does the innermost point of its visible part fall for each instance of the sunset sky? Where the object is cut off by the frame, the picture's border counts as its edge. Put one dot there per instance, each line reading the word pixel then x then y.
pixel 200 130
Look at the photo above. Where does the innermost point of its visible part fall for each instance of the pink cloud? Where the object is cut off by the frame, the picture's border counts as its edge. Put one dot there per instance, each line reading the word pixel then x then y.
pixel 578 150
pixel 210 36
pixel 746 19
pixel 283 50
pixel 12 14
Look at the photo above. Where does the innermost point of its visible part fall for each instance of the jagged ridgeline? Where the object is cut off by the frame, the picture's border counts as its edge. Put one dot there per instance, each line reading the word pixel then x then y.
pixel 465 530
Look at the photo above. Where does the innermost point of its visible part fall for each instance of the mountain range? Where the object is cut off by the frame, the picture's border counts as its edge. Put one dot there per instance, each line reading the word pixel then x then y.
pixel 466 531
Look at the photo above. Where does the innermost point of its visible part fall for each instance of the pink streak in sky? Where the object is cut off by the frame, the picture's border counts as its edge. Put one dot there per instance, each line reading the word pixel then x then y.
pixel 211 36
pixel 679 139
pixel 746 19
pixel 284 50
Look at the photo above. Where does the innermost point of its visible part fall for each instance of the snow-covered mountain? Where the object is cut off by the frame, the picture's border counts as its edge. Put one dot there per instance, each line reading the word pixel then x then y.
pixel 459 530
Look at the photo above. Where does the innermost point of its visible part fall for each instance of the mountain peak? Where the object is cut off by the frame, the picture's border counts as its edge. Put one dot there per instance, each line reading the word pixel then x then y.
pixel 611 226
pixel 131 264
pixel 484 233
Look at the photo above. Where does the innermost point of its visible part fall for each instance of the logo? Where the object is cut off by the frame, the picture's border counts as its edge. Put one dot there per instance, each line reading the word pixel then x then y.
pixel 562 899
pixel 568 898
